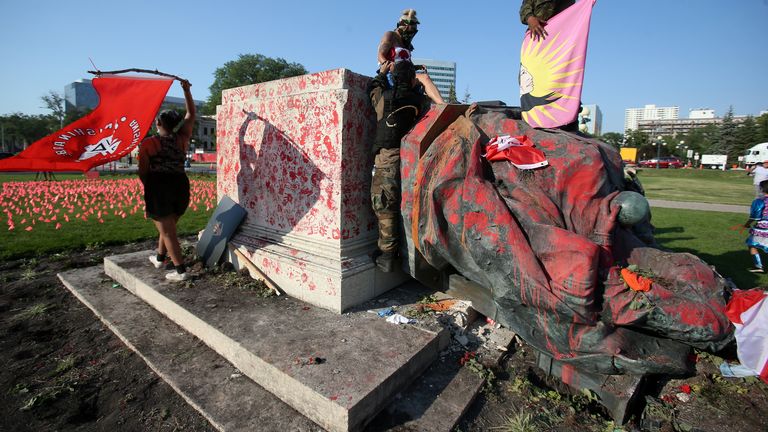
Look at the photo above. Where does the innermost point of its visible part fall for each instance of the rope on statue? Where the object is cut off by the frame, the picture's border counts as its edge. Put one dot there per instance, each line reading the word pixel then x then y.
pixel 413 107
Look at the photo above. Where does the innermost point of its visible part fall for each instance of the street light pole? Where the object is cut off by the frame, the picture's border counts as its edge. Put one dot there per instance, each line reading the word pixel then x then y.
pixel 658 150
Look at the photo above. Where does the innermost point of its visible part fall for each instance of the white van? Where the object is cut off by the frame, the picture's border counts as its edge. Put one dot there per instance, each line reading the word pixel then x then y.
pixel 756 154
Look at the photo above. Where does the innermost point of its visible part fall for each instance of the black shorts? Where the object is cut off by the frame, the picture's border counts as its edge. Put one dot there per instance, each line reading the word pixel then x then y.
pixel 166 194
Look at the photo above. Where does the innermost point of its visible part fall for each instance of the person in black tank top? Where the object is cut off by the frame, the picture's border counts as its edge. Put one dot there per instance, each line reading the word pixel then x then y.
pixel 166 186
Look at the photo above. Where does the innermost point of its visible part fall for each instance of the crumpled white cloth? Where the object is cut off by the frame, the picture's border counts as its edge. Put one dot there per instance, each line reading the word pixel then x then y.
pixel 399 319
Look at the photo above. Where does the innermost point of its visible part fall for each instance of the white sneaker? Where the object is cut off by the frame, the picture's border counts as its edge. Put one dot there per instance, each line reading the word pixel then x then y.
pixel 155 262
pixel 178 277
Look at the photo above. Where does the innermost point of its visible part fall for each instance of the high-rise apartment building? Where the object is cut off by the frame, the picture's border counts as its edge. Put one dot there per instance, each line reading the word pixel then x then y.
pixel 442 73
pixel 632 116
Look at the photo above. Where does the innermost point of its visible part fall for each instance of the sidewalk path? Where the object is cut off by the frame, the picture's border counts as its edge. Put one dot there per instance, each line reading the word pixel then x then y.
pixel 727 208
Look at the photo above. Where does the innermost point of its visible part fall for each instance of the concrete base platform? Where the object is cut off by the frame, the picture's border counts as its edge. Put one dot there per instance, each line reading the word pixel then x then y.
pixel 226 398
pixel 277 342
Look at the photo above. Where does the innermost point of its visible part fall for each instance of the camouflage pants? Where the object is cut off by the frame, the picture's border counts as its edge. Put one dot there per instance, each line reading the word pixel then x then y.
pixel 385 196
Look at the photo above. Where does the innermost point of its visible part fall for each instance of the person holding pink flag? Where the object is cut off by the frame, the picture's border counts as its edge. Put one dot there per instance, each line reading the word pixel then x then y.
pixel 535 13
pixel 552 71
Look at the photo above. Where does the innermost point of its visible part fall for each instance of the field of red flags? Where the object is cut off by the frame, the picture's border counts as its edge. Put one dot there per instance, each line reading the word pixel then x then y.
pixel 38 215
pixel 69 202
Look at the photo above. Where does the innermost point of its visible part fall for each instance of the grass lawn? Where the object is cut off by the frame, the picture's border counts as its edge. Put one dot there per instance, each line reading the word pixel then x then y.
pixel 708 186
pixel 705 234
pixel 708 236
pixel 39 218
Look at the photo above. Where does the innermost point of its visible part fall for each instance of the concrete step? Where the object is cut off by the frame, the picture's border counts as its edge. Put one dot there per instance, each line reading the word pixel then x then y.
pixel 364 361
pixel 438 399
pixel 226 398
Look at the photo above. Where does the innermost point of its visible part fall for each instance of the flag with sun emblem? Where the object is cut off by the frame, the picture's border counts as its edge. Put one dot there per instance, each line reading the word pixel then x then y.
pixel 126 110
pixel 552 69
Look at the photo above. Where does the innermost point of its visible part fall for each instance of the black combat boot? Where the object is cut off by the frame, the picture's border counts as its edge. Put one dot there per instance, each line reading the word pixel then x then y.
pixel 386 262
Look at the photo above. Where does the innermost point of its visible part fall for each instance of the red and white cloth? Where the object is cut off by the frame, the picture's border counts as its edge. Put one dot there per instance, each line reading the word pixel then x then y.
pixel 397 54
pixel 748 311
pixel 519 150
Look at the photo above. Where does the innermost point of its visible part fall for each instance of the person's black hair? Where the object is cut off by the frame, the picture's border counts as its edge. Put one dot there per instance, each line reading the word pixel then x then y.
pixel 764 186
pixel 169 119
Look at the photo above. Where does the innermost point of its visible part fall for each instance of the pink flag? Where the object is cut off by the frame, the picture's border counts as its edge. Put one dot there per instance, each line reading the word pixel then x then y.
pixel 127 108
pixel 552 69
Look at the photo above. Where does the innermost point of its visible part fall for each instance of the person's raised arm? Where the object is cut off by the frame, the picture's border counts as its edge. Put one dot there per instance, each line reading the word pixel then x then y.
pixel 185 131
pixel 529 18
pixel 526 10
pixel 385 46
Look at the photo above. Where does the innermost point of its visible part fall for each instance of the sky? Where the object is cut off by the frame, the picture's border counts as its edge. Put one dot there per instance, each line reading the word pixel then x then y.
pixel 686 53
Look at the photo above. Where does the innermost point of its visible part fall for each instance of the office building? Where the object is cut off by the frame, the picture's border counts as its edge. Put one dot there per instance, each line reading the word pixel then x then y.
pixel 205 138
pixel 633 116
pixel 591 120
pixel 442 73
pixel 80 95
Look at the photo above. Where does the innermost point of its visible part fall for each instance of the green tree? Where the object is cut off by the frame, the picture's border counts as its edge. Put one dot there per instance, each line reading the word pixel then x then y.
pixel 613 138
pixel 452 95
pixel 19 130
pixel 640 141
pixel 728 139
pixel 761 124
pixel 703 140
pixel 746 134
pixel 55 102
pixel 248 69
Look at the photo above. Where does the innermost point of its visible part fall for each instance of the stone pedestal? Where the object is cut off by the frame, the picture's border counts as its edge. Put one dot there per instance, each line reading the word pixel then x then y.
pixel 296 154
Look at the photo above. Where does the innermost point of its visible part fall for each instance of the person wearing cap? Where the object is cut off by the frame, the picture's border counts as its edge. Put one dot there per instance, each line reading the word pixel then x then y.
pixel 398 97
pixel 759 174
pixel 396 46
pixel 535 13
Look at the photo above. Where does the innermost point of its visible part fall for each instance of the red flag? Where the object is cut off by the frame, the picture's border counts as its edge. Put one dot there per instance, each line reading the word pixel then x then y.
pixel 126 110
pixel 518 149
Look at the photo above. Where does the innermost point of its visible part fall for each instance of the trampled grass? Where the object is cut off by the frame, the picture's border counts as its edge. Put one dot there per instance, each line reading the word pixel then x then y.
pixel 708 186
pixel 72 213
pixel 709 236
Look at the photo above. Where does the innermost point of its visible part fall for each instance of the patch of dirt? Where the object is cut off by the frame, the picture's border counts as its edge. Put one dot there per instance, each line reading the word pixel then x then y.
pixel 523 398
pixel 63 370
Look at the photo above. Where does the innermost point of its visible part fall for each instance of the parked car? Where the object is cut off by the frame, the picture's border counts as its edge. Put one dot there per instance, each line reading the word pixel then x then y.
pixel 665 162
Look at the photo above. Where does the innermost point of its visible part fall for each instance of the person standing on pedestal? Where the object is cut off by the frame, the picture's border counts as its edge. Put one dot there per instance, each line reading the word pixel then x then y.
pixel 397 95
